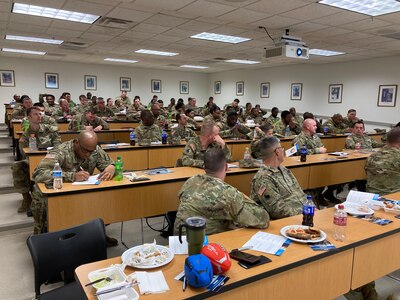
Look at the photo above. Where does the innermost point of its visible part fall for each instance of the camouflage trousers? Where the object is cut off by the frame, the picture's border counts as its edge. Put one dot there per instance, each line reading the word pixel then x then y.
pixel 20 173
pixel 39 211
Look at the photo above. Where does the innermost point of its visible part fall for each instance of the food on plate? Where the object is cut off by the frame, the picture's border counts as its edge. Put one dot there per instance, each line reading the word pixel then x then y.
pixel 364 209
pixel 391 205
pixel 148 255
pixel 310 233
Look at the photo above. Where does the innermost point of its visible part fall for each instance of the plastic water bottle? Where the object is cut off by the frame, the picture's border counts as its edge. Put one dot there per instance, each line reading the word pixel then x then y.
pixel 303 153
pixel 32 143
pixel 247 153
pixel 308 212
pixel 164 137
pixel 25 124
pixel 119 175
pixel 326 129
pixel 340 223
pixel 287 131
pixel 57 177
pixel 132 137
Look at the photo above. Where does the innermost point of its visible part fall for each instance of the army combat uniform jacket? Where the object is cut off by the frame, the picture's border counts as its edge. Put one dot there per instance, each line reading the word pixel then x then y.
pixel 365 141
pixel 311 142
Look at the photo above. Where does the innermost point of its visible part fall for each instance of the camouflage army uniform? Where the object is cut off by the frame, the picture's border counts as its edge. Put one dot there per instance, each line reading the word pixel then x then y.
pixel 125 101
pixel 273 120
pixel 219 203
pixel 366 142
pixel 59 113
pixel 50 109
pixel 193 123
pixel 210 118
pixel 349 123
pixel 196 109
pixel 278 191
pixel 182 133
pixel 311 142
pixel 383 171
pixel 80 109
pixel 70 164
pixel 298 119
pixel 241 131
pixel 193 154
pixel 152 133
pixel 79 123
pixel 334 128
pixel 106 112
pixel 279 127
pixel 18 112
pixel 161 121
pixel 257 119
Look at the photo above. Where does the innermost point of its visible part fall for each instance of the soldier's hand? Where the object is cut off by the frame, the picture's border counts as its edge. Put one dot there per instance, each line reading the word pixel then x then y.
pixel 322 150
pixel 218 139
pixel 107 173
pixel 98 128
pixel 81 176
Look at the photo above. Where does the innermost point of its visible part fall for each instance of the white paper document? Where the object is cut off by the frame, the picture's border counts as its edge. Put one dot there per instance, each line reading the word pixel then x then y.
pixel 175 245
pixel 91 180
pixel 266 242
pixel 291 151
pixel 361 197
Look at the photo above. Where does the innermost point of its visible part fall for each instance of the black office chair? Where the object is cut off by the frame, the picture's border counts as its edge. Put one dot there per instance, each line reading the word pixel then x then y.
pixel 63 251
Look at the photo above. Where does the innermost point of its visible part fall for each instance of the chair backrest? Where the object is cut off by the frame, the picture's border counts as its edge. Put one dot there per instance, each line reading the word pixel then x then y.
pixel 65 250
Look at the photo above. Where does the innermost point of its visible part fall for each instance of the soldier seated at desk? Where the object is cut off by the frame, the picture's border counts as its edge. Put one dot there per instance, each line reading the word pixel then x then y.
pixel 88 121
pixel 19 112
pixel 222 205
pixel 260 133
pixel 233 129
pixel 182 131
pixel 147 131
pixel 358 136
pixel 102 111
pixel 335 125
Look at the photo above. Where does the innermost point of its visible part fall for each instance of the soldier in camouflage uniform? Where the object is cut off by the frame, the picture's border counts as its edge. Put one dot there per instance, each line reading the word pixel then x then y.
pixel 222 205
pixel 308 115
pixel 232 129
pixel 63 111
pixel 274 186
pixel 133 112
pixel 214 116
pixel 50 106
pixel 46 136
pixel 351 118
pixel 297 118
pixel 101 110
pixel 309 138
pixel 273 118
pixel 77 158
pixel 233 106
pixel 182 132
pixel 260 133
pixel 191 121
pixel 247 111
pixel 20 111
pixel 192 105
pixel 82 107
pixel 336 125
pixel 193 154
pixel 124 99
pixel 358 136
pixel 286 120
pixel 255 116
pixel 147 130
pixel 88 121
pixel 159 119
pixel 383 167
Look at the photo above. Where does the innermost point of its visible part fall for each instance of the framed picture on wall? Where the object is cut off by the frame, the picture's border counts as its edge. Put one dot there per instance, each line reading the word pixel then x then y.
pixel 51 80
pixel 7 78
pixel 296 91
pixel 125 84
pixel 156 86
pixel 335 93
pixel 387 95
pixel 240 88
pixel 264 90
pixel 217 87
pixel 184 87
pixel 90 82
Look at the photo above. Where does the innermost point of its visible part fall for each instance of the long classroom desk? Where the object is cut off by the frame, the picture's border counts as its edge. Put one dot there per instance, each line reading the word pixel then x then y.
pixel 369 252
pixel 115 201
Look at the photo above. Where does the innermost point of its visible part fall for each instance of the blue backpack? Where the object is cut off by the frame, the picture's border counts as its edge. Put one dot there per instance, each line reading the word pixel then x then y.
pixel 198 270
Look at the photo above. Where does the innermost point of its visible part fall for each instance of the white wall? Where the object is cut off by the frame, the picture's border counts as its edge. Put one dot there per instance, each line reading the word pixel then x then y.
pixel 29 79
pixel 360 79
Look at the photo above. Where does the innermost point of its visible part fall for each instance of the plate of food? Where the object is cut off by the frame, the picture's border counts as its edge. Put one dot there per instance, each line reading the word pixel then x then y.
pixel 356 209
pixel 303 234
pixel 147 256
pixel 392 207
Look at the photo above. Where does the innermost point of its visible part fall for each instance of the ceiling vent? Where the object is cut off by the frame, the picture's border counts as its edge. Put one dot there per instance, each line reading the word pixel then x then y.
pixel 73 45
pixel 114 23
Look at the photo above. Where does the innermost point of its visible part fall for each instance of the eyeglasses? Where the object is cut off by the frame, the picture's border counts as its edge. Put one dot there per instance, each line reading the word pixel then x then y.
pixel 85 149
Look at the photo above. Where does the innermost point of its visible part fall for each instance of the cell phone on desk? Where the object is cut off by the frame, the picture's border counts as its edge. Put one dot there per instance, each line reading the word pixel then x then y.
pixel 244 257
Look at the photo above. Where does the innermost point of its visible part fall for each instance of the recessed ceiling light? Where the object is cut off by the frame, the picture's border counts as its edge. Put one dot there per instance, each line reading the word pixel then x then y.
pixel 242 61
pixel 220 38
pixel 194 67
pixel 154 52
pixel 367 7
pixel 53 13
pixel 324 52
pixel 32 39
pixel 23 51
pixel 121 60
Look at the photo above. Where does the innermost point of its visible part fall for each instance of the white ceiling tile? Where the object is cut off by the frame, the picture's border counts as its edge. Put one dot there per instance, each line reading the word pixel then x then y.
pixel 19 27
pixel 276 22
pixel 121 51
pixel 152 45
pixel 385 30
pixel 87 7
pixel 4 17
pixel 180 32
pixel 276 6
pixel 24 19
pixel 129 14
pixel 198 26
pixel 365 24
pixel 168 5
pixel 176 47
pixel 229 30
pixel 212 20
pixel 341 18
pixel 62 33
pixel 206 9
pixel 163 20
pixel 95 37
pixel 349 37
pixel 244 15
pixel 311 12
pixel 166 38
pixel 330 31
pixel 137 35
pixel 143 27
pixel 70 25
pixel 237 3
pixel 105 30
pixel 5 6
pixel 394 18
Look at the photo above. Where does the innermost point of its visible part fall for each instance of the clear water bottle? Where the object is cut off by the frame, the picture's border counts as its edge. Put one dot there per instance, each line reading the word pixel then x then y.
pixel 303 153
pixel 132 137
pixel 119 171
pixel 308 212
pixel 57 177
pixel 357 147
pixel 32 143
pixel 287 131
pixel 25 124
pixel 340 223
pixel 247 154
pixel 164 137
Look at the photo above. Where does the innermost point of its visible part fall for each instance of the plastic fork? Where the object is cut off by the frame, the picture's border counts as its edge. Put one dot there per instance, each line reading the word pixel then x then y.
pixel 99 280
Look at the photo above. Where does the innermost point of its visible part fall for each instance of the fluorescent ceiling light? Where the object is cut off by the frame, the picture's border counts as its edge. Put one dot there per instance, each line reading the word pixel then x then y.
pixel 242 61
pixel 53 13
pixel 194 67
pixel 32 39
pixel 154 52
pixel 220 38
pixel 324 52
pixel 23 51
pixel 121 60
pixel 367 7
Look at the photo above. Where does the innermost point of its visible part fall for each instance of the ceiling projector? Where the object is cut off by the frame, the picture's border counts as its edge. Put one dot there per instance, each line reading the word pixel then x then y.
pixel 288 46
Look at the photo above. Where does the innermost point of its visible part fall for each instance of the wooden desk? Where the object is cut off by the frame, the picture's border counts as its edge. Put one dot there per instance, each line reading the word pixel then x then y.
pixel 300 273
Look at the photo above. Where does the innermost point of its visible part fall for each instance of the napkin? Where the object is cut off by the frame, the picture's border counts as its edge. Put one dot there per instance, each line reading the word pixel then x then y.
pixel 152 282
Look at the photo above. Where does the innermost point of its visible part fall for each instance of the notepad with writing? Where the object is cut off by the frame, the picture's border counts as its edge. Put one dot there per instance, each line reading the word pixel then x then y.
pixel 91 180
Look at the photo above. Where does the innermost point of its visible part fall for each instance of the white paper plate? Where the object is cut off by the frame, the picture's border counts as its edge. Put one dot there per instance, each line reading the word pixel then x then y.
pixel 284 229
pixel 354 209
pixel 124 294
pixel 198 118
pixel 114 272
pixel 128 253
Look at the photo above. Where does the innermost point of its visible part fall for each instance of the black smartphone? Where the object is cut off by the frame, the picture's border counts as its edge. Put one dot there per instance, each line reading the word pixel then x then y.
pixel 244 257
pixel 263 260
